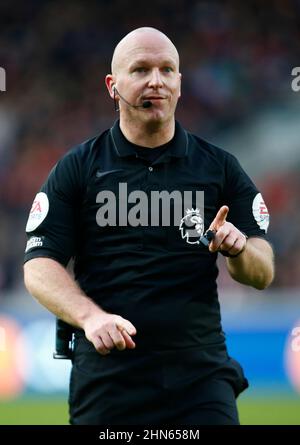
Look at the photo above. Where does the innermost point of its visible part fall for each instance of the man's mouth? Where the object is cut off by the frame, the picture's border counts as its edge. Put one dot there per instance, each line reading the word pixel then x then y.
pixel 154 98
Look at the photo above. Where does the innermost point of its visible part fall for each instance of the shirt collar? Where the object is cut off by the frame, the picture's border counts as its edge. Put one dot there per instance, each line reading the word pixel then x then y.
pixel 178 145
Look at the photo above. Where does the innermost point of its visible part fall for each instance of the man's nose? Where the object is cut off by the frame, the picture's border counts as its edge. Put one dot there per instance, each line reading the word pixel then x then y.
pixel 155 79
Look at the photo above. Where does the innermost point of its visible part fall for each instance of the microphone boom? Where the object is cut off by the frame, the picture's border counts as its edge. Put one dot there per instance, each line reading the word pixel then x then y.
pixel 145 104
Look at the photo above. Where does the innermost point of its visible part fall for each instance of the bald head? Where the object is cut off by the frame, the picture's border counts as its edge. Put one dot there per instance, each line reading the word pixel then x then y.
pixel 145 67
pixel 145 38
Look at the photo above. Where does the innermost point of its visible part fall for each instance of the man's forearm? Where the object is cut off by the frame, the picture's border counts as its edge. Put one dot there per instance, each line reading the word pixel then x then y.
pixel 51 284
pixel 255 266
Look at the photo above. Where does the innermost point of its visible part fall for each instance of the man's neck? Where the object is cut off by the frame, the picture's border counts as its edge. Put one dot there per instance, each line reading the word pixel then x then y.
pixel 151 135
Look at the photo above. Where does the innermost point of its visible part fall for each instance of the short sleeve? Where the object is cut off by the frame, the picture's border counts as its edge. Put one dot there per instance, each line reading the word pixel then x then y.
pixel 247 209
pixel 52 223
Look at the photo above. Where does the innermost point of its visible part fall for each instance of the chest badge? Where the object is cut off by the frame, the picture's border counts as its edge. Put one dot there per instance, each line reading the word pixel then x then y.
pixel 192 226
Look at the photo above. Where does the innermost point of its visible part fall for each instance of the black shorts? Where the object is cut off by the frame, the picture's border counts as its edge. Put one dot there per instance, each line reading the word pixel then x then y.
pixel 131 387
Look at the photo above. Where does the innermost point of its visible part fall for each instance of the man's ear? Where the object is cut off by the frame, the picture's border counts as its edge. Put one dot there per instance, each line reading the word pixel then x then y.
pixel 110 84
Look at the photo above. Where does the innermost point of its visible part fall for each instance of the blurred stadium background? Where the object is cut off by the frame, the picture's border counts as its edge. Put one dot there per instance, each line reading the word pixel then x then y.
pixel 236 60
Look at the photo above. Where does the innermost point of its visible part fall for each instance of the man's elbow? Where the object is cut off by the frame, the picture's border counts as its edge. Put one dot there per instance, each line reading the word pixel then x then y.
pixel 27 278
pixel 265 280
pixel 262 285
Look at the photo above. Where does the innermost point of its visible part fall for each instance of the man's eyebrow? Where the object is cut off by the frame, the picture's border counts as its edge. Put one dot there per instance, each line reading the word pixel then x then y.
pixel 138 62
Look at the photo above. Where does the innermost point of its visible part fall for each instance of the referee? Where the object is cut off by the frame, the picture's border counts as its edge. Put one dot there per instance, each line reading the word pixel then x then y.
pixel 132 207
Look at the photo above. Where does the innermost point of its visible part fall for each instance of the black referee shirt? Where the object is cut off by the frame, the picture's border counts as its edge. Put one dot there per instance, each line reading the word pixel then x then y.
pixel 153 275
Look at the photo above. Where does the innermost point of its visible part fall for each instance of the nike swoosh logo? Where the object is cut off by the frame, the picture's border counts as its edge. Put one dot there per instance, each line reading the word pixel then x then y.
pixel 101 174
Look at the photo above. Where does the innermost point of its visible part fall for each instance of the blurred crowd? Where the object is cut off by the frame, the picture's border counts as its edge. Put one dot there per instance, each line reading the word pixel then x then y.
pixel 235 58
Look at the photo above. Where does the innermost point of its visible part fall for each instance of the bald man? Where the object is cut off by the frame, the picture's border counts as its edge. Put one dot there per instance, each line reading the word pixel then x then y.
pixel 134 207
pixel 145 66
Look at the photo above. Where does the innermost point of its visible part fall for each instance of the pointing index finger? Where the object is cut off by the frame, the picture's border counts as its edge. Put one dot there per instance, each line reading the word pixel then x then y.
pixel 220 218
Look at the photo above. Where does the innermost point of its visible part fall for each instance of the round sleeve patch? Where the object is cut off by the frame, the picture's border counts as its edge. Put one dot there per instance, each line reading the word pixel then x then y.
pixel 38 212
pixel 260 212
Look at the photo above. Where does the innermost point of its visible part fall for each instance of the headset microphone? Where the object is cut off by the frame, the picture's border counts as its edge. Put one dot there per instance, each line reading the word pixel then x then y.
pixel 145 104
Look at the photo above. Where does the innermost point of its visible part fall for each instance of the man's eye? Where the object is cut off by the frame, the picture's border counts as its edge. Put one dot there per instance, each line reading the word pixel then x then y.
pixel 168 69
pixel 140 70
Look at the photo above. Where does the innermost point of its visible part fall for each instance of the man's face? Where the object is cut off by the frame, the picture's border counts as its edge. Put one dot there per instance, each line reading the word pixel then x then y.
pixel 147 68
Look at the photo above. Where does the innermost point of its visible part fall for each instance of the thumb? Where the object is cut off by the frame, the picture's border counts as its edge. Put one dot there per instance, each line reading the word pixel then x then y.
pixel 220 218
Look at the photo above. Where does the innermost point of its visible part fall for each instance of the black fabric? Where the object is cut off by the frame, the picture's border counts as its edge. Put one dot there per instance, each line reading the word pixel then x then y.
pixel 190 387
pixel 146 153
pixel 148 274
pixel 151 154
